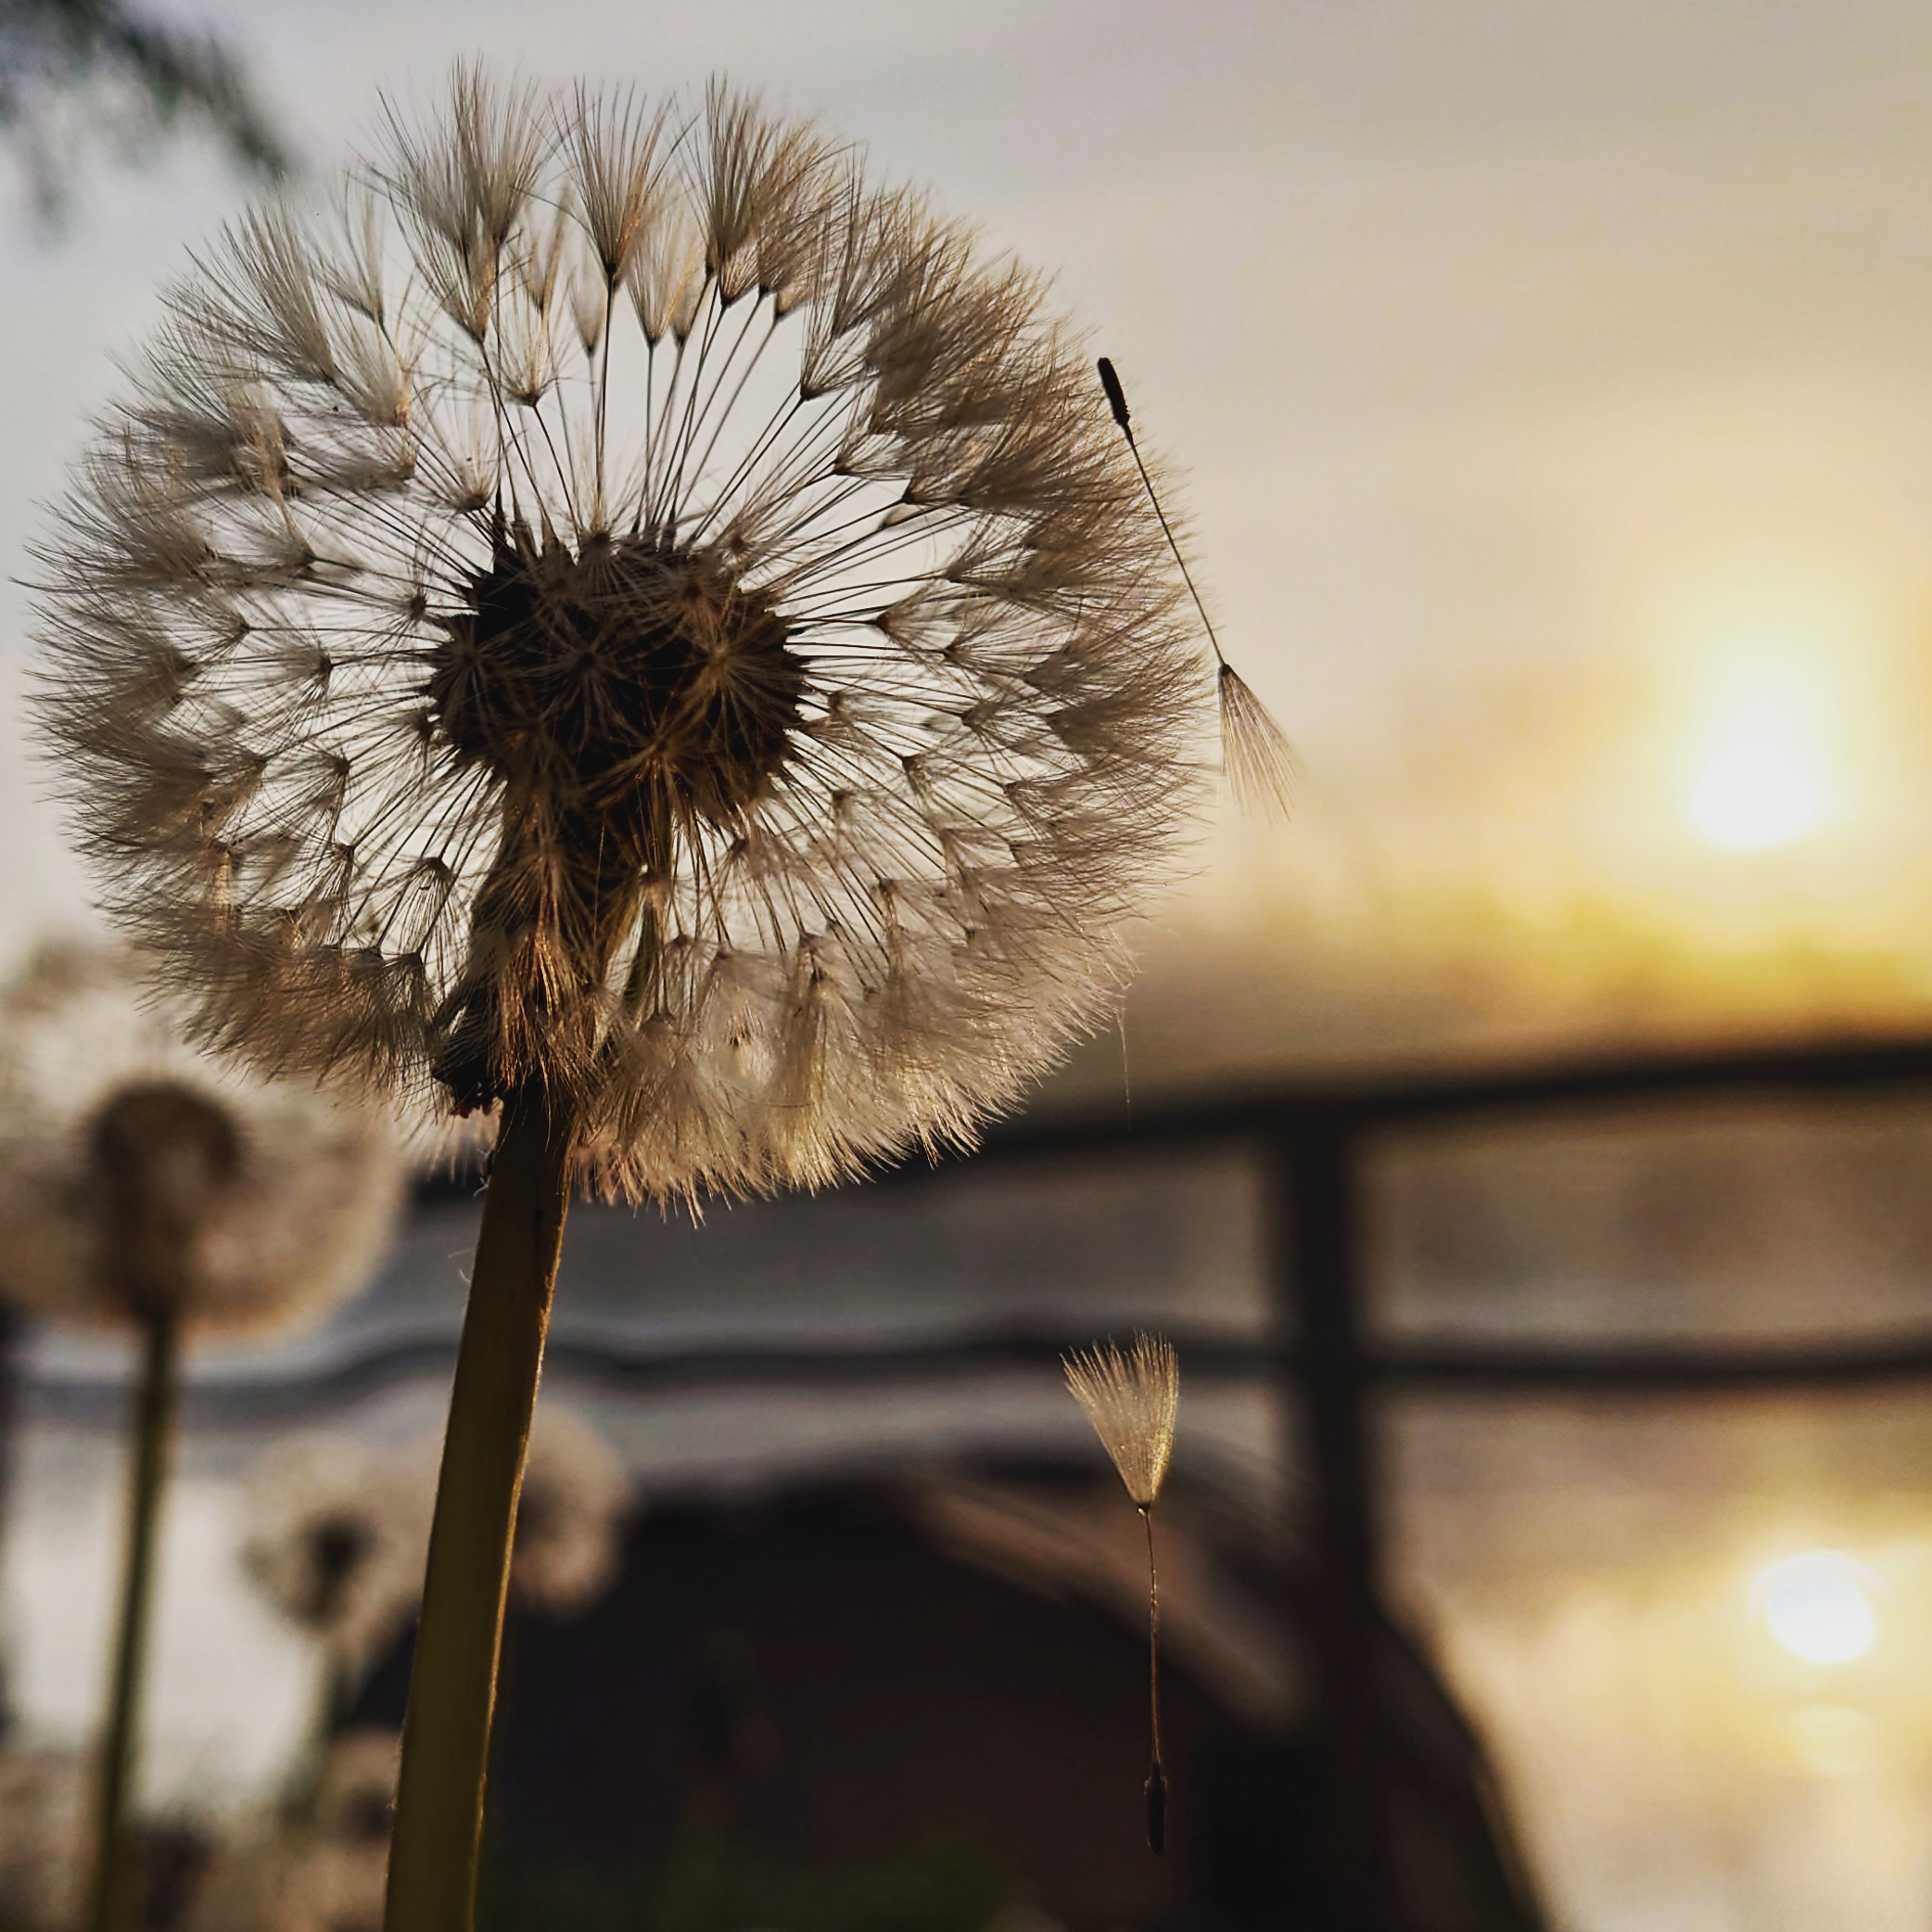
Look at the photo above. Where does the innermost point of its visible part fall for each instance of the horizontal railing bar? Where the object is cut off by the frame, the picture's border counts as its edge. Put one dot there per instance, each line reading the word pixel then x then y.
pixel 1363 1102
pixel 1655 1368
pixel 1798 1070
pixel 1475 1368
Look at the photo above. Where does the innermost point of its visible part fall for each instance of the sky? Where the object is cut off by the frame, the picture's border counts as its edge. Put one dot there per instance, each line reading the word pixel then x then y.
pixel 1552 388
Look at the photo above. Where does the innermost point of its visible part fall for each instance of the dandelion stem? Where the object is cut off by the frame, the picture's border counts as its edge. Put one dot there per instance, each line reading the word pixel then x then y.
pixel 1157 1773
pixel 111 1904
pixel 452 1686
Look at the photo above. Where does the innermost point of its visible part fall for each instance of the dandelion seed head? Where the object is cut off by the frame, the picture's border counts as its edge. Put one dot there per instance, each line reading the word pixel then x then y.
pixel 331 1870
pixel 575 1494
pixel 334 1537
pixel 355 1795
pixel 134 1169
pixel 1132 1399
pixel 619 601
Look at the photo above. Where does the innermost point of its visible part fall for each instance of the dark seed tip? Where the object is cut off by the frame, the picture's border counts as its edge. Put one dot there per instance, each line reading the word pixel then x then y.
pixel 1156 1789
pixel 1116 396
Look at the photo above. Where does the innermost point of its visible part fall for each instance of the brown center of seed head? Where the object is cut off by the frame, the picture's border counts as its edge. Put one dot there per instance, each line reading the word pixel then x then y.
pixel 165 1159
pixel 622 680
pixel 621 693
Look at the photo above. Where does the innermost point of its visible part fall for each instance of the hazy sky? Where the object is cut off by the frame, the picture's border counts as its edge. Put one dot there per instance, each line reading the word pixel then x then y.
pixel 1555 386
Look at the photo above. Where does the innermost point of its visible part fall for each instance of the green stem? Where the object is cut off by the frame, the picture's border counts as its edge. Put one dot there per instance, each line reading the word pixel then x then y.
pixel 110 1902
pixel 453 1685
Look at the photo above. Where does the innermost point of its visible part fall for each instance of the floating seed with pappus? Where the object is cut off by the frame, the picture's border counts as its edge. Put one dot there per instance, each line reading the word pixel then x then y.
pixel 1133 1400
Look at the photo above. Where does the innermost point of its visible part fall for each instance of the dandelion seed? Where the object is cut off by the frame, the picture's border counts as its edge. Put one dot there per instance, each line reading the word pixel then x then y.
pixel 1259 762
pixel 723 732
pixel 1132 1400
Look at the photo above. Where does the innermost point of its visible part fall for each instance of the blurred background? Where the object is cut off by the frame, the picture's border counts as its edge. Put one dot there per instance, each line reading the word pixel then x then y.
pixel 1530 1149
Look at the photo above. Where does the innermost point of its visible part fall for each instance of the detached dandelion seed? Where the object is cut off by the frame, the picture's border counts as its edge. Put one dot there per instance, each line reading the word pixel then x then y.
pixel 624 625
pixel 1258 761
pixel 1132 1401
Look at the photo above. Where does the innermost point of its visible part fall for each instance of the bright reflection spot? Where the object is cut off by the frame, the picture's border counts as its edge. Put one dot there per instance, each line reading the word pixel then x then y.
pixel 1754 793
pixel 1816 1606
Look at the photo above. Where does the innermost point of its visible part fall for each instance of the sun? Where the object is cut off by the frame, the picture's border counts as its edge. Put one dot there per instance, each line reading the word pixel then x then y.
pixel 1753 791
pixel 1818 1606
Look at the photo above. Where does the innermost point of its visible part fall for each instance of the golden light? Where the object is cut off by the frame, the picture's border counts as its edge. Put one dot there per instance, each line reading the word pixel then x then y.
pixel 1772 666
pixel 1754 792
pixel 1832 1740
pixel 1818 1607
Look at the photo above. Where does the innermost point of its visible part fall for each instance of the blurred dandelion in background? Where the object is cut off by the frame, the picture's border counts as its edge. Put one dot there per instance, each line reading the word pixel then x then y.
pixel 334 1546
pixel 334 1537
pixel 321 1870
pixel 575 1496
pixel 145 1188
pixel 296 1212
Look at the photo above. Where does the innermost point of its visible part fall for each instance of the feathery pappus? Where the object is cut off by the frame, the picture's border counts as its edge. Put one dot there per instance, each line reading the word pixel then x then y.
pixel 623 601
pixel 1132 1398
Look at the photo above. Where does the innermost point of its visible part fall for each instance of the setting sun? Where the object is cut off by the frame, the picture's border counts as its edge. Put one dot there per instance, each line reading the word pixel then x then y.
pixel 1818 1607
pixel 1753 791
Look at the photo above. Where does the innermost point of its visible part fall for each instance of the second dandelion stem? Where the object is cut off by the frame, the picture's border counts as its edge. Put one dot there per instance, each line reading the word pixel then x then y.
pixel 453 1685
pixel 111 1905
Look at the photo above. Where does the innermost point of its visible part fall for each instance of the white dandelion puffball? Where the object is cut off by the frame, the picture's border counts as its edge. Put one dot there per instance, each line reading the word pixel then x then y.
pixel 335 1538
pixel 568 1517
pixel 134 1167
pixel 621 602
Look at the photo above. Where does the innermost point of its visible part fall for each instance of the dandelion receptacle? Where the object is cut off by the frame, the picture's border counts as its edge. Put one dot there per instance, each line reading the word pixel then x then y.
pixel 619 624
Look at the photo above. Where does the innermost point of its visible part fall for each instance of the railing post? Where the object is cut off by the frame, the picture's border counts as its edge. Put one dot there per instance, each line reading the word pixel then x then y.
pixel 1319 1270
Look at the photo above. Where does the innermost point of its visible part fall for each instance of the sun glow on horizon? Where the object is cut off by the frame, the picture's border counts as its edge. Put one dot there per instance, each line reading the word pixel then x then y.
pixel 1774 687
pixel 1754 792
